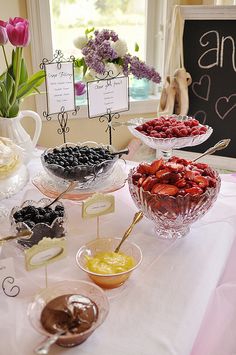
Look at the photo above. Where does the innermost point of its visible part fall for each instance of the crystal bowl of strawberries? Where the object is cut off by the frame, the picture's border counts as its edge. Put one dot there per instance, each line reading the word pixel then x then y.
pixel 174 193
pixel 169 132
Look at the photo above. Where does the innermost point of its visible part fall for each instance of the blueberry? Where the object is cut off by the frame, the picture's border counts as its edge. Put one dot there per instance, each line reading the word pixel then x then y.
pixel 30 223
pixel 17 215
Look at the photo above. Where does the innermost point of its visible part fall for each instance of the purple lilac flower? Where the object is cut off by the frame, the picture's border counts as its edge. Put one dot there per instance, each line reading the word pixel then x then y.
pixel 139 69
pixel 98 51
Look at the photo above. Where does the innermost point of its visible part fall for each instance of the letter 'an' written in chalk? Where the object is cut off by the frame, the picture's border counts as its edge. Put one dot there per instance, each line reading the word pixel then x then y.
pixel 215 45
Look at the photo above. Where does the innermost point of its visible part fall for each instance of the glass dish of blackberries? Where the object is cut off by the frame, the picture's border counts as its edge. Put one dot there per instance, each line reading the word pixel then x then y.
pixel 88 163
pixel 40 220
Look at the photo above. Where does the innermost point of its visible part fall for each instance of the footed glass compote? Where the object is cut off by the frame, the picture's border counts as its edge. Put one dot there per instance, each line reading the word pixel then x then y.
pixel 165 137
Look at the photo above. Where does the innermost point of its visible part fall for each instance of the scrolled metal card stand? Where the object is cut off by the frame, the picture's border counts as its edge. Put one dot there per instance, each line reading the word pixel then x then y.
pixel 109 115
pixel 62 115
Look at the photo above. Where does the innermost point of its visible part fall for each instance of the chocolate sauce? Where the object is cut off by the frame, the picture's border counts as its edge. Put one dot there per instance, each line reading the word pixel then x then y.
pixel 72 313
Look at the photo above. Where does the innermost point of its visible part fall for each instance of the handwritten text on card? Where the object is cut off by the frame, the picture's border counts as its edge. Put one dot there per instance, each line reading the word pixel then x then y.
pixel 60 87
pixel 108 96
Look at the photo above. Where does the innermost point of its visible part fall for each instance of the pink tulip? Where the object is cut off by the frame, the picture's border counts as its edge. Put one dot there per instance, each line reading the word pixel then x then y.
pixel 3 33
pixel 79 88
pixel 18 32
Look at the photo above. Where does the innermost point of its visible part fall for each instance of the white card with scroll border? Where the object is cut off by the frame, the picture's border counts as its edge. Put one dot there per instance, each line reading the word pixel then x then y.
pixel 47 251
pixel 108 96
pixel 60 87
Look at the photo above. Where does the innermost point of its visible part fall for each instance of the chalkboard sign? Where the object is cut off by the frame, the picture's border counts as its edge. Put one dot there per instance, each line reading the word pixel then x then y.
pixel 210 57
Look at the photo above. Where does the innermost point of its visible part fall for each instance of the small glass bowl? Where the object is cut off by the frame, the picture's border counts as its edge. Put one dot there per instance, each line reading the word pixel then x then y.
pixel 85 175
pixel 167 144
pixel 87 289
pixel 171 215
pixel 98 245
pixel 54 230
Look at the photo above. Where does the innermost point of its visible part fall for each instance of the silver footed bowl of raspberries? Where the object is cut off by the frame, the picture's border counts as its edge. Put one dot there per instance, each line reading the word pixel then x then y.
pixel 170 132
pixel 42 221
pixel 174 193
pixel 88 163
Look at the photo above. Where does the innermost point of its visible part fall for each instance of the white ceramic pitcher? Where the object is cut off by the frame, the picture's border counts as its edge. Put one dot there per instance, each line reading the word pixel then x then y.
pixel 13 129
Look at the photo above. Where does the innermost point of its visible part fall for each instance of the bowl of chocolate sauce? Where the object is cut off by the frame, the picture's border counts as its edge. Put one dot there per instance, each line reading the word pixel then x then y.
pixel 76 308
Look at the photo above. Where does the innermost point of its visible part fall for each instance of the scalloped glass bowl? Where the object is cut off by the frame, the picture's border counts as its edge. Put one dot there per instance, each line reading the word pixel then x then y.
pixel 172 216
pixel 166 144
pixel 87 289
pixel 98 245
pixel 86 176
pixel 55 230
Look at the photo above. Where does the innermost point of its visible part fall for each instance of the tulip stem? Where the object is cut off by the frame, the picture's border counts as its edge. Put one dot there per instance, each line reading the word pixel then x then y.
pixel 17 76
pixel 5 57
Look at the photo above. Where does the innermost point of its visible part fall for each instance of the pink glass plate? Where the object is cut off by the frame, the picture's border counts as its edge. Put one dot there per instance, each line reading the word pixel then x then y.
pixel 52 187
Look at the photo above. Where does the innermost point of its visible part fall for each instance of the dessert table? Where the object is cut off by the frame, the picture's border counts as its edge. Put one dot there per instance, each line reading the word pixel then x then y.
pixel 180 301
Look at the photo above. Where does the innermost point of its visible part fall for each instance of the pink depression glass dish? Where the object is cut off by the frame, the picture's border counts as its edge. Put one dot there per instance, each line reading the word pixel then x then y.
pixel 172 216
pixel 87 289
pixel 166 144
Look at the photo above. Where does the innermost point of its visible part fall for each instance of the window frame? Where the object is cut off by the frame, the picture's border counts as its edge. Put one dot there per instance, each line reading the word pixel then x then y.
pixel 39 17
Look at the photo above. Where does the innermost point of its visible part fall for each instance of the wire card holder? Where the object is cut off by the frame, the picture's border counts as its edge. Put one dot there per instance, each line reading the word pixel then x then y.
pixel 107 97
pixel 60 90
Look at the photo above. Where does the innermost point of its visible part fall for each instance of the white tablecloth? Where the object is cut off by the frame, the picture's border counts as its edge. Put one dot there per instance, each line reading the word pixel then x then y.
pixel 159 310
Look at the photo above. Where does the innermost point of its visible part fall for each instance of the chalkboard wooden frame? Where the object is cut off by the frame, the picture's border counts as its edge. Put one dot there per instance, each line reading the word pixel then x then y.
pixel 211 13
pixel 204 12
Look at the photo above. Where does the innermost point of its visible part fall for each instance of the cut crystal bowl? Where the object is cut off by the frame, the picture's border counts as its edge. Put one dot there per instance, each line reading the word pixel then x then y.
pixel 167 144
pixel 172 216
pixel 45 228
pixel 85 175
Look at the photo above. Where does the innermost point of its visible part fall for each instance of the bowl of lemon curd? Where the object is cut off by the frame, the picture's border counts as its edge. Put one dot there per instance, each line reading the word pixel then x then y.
pixel 105 267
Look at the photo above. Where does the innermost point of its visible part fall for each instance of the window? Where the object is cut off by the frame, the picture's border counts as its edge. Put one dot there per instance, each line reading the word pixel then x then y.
pixel 54 26
pixel 71 18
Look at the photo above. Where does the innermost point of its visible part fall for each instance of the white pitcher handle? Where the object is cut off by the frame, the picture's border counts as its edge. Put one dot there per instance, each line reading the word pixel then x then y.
pixel 38 124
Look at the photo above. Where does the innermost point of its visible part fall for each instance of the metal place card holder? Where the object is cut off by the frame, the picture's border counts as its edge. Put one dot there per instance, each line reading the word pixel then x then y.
pixel 62 115
pixel 109 115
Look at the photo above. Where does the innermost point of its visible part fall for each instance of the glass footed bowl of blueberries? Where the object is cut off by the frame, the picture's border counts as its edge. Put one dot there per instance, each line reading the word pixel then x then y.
pixel 88 163
pixel 42 221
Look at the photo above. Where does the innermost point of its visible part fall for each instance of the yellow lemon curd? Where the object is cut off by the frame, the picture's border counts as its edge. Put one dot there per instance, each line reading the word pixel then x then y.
pixel 110 263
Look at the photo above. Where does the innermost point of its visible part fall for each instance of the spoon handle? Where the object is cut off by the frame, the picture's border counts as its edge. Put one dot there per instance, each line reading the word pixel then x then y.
pixel 120 152
pixel 43 348
pixel 70 187
pixel 137 217
pixel 26 234
pixel 218 146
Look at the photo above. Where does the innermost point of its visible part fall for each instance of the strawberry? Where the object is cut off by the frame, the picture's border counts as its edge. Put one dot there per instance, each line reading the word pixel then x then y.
pixel 136 176
pixel 202 181
pixel 211 181
pixel 148 183
pixel 169 190
pixel 163 174
pixel 175 167
pixel 194 190
pixel 140 181
pixel 143 168
pixel 181 183
pixel 201 166
pixel 156 188
pixel 155 166
pixel 190 175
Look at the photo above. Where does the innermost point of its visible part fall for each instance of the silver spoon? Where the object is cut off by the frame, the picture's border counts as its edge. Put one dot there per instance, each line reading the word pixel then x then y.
pixel 137 217
pixel 24 234
pixel 70 187
pixel 43 348
pixel 218 146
